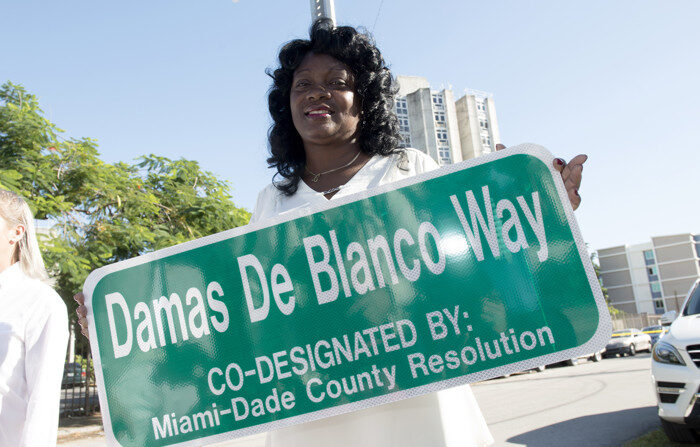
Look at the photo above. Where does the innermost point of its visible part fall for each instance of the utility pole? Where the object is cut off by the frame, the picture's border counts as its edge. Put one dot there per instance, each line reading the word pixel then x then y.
pixel 322 8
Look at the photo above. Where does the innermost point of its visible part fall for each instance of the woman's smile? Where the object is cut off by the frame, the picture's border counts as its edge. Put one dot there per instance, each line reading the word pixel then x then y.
pixel 319 112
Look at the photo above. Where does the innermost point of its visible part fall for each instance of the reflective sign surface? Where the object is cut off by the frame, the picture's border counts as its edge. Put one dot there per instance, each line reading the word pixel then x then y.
pixel 455 276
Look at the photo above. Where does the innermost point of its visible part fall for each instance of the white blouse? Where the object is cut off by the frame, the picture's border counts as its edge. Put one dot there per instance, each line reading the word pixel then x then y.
pixel 33 342
pixel 449 418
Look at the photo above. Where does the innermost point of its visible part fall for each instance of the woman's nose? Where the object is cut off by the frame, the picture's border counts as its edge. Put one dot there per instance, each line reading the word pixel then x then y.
pixel 317 92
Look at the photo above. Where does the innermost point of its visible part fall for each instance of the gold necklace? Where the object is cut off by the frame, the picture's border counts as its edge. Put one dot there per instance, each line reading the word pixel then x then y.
pixel 315 177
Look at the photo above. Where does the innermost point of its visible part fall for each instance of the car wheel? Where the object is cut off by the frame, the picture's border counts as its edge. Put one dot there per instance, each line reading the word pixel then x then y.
pixel 572 362
pixel 632 351
pixel 679 433
pixel 597 357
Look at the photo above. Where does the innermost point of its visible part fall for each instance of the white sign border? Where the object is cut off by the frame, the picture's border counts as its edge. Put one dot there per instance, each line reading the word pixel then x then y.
pixel 594 344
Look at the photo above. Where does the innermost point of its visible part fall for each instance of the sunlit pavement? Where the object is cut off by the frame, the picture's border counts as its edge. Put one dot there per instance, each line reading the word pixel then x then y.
pixel 592 404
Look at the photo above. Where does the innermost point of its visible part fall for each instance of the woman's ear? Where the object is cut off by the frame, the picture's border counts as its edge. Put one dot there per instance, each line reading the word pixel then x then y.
pixel 17 234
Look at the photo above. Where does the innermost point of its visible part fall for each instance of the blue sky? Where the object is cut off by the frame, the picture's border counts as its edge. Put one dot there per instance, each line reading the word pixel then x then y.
pixel 615 80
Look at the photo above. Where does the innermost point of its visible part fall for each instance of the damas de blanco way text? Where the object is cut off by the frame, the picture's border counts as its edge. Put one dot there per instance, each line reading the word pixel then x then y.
pixel 356 268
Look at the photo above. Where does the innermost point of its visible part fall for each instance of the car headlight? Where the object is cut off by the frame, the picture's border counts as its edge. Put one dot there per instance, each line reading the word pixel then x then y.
pixel 665 353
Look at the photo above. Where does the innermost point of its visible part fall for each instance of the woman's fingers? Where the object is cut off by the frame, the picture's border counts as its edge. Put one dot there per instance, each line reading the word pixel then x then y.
pixel 500 146
pixel 572 174
pixel 574 198
pixel 573 171
pixel 82 313
pixel 559 164
pixel 579 159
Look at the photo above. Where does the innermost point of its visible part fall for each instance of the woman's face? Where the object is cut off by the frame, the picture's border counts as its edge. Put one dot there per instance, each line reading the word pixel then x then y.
pixel 325 108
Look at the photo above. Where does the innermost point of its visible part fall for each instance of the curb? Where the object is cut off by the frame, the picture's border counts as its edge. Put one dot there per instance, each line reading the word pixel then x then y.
pixel 66 434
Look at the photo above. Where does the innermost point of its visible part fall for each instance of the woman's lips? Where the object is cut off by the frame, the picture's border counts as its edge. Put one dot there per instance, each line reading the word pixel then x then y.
pixel 319 113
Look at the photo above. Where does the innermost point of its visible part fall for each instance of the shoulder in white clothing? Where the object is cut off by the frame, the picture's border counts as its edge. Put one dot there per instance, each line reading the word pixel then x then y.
pixel 420 161
pixel 379 170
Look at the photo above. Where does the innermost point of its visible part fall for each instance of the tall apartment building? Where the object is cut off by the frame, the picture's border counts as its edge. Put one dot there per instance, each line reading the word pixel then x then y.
pixel 449 131
pixel 652 277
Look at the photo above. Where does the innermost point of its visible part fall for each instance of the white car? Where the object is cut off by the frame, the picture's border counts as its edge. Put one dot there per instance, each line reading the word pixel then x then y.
pixel 675 371
pixel 627 342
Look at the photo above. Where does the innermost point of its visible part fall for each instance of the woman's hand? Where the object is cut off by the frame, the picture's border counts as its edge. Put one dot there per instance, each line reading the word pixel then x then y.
pixel 571 174
pixel 82 314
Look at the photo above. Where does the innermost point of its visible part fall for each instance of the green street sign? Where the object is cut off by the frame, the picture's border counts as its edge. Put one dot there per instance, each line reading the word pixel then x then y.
pixel 454 276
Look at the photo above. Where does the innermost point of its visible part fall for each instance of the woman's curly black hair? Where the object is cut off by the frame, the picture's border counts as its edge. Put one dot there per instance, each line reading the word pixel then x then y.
pixel 379 130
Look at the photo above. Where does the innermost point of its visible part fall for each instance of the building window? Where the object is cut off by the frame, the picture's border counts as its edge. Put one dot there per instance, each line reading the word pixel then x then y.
pixel 653 273
pixel 655 290
pixel 401 106
pixel 658 307
pixel 440 119
pixel 444 155
pixel 649 257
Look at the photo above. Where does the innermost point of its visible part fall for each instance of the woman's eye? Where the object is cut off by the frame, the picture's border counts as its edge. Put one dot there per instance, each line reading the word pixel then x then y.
pixel 339 82
pixel 302 84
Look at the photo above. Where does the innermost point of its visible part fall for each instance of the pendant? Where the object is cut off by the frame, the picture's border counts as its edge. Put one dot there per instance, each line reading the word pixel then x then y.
pixel 315 178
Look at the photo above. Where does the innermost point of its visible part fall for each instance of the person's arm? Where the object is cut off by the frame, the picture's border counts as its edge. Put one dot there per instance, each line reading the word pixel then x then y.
pixel 46 340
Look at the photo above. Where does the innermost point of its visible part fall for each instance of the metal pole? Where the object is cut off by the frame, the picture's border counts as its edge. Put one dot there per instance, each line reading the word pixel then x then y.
pixel 322 8
pixel 675 297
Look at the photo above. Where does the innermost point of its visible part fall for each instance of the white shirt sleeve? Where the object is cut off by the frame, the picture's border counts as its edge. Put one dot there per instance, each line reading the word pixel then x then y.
pixel 421 162
pixel 46 340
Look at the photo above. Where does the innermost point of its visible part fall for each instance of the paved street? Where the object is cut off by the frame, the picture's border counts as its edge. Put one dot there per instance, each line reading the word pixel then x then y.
pixel 592 404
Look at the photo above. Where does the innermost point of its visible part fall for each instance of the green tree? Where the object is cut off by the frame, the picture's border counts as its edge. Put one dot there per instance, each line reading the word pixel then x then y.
pixel 100 213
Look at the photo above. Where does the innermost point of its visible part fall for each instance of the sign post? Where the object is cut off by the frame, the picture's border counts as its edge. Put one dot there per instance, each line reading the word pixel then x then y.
pixel 458 275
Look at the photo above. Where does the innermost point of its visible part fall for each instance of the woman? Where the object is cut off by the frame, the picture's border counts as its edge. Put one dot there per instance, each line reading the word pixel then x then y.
pixel 334 134
pixel 33 333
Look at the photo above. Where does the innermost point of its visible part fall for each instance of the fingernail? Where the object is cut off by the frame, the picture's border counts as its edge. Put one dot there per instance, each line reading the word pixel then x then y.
pixel 559 161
